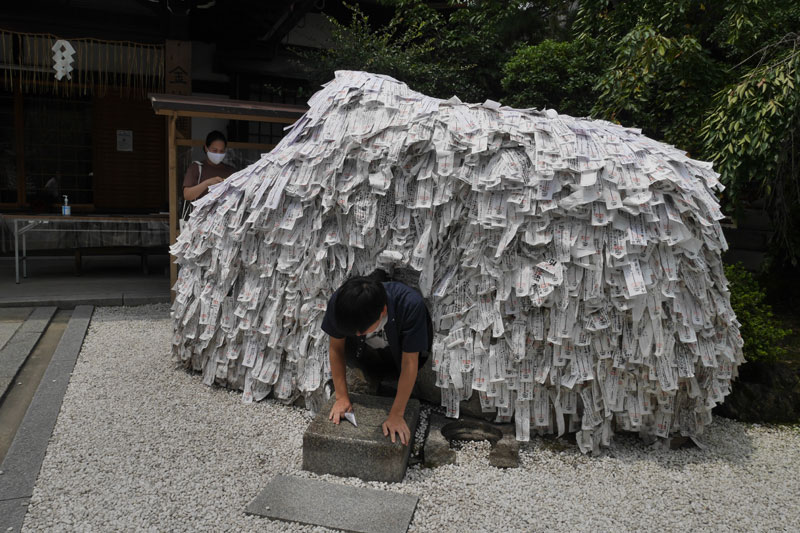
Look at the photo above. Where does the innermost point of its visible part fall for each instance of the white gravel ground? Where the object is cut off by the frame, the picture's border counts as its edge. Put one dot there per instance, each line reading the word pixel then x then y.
pixel 140 445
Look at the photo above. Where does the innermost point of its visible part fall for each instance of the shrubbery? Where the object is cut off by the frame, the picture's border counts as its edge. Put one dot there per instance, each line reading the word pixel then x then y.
pixel 761 331
pixel 551 74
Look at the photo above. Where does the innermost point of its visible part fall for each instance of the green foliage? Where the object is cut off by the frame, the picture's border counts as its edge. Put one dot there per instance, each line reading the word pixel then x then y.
pixel 760 330
pixel 551 74
pixel 718 79
pixel 662 72
pixel 455 51
pixel 662 84
pixel 753 135
pixel 405 49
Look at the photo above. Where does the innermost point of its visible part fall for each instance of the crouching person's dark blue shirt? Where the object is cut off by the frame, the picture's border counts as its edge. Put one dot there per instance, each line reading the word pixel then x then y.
pixel 408 327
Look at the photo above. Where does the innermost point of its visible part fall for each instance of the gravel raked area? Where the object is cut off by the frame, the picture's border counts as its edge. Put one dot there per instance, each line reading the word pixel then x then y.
pixel 141 445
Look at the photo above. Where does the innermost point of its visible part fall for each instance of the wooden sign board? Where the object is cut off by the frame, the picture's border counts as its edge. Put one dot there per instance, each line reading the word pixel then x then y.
pixel 178 67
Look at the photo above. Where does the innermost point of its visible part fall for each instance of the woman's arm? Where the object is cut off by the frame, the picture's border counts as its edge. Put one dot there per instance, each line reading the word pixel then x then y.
pixel 190 194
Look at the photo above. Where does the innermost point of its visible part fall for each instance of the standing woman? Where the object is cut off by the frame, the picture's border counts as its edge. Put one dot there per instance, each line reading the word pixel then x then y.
pixel 203 174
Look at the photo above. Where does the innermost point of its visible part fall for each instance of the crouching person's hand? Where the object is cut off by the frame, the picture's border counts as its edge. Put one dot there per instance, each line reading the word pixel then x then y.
pixel 340 407
pixel 395 426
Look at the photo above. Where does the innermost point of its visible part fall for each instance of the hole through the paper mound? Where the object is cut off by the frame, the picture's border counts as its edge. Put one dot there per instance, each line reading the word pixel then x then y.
pixel 474 430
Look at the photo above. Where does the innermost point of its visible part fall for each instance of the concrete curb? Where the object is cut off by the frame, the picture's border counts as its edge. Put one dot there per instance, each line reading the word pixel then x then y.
pixel 20 345
pixel 97 301
pixel 63 303
pixel 24 458
pixel 7 331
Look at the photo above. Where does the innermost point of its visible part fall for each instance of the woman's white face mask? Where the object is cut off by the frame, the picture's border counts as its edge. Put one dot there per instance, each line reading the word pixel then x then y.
pixel 215 158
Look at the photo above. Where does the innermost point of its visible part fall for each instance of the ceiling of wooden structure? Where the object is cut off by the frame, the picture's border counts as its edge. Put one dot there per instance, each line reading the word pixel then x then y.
pixel 249 36
pixel 230 24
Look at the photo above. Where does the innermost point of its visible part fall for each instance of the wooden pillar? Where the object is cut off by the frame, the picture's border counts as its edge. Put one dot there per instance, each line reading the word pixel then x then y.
pixel 172 158
pixel 178 80
pixel 19 146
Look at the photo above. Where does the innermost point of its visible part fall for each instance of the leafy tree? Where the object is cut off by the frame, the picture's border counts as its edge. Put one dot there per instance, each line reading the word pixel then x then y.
pixel 662 73
pixel 753 134
pixel 761 331
pixel 717 79
pixel 441 52
pixel 551 74
pixel 405 49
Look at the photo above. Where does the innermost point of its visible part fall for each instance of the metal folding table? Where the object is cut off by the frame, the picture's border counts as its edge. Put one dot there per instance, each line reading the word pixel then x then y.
pixel 24 224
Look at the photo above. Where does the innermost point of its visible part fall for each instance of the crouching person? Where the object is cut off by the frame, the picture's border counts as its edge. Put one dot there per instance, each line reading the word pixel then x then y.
pixel 387 322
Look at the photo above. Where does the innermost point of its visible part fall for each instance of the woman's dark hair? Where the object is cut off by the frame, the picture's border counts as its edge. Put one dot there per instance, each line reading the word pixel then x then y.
pixel 216 136
pixel 359 304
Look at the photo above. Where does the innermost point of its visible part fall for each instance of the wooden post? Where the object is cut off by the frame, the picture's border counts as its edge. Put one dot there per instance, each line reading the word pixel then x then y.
pixel 19 146
pixel 172 159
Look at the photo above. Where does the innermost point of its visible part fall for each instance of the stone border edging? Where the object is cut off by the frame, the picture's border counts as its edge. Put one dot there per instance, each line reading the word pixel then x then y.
pixel 16 351
pixel 26 454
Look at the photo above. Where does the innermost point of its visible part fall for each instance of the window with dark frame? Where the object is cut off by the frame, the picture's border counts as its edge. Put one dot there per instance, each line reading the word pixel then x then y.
pixel 281 93
pixel 58 150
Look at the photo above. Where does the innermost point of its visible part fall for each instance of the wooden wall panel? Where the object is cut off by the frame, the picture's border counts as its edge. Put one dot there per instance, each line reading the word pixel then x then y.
pixel 128 180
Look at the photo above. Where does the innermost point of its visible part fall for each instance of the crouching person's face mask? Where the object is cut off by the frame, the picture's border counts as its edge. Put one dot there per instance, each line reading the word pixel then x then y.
pixel 216 158
pixel 383 320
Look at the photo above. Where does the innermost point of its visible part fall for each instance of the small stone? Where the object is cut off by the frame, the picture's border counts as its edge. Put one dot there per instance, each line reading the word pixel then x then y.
pixel 363 451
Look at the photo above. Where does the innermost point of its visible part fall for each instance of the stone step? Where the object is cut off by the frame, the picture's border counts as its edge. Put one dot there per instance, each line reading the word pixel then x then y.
pixel 319 503
pixel 10 321
pixel 21 344
pixel 364 452
pixel 24 458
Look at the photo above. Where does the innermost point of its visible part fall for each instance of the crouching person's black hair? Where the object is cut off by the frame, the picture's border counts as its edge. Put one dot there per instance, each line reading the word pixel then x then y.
pixel 359 304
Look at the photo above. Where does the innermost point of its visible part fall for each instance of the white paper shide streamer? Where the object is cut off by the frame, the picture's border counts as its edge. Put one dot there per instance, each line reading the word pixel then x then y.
pixel 62 59
pixel 572 265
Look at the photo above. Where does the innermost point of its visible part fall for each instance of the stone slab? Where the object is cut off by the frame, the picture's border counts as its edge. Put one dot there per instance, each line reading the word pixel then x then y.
pixel 12 514
pixel 320 503
pixel 15 314
pixel 20 345
pixel 65 302
pixel 24 458
pixel 364 452
pixel 436 451
pixel 7 330
pixel 5 385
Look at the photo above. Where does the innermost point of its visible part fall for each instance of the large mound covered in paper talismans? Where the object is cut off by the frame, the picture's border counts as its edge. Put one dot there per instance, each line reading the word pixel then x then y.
pixel 572 265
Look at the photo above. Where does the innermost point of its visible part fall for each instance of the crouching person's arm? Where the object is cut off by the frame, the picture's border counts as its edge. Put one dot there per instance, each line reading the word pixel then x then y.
pixel 395 424
pixel 339 375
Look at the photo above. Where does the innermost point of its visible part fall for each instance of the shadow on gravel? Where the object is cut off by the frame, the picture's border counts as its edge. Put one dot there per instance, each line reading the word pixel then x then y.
pixel 725 441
